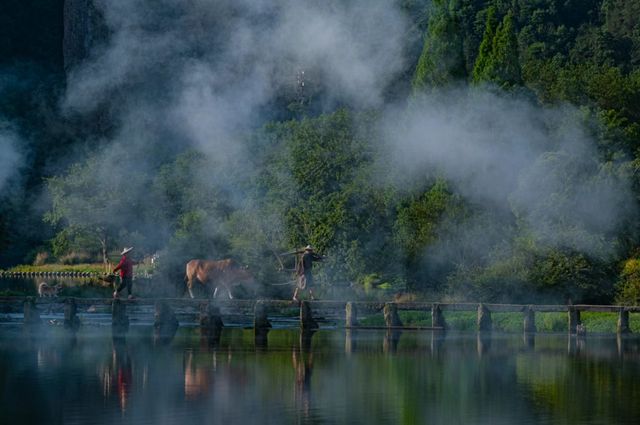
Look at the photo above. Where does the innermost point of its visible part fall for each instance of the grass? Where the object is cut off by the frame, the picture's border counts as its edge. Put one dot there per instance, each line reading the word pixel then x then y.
pixel 511 322
pixel 97 268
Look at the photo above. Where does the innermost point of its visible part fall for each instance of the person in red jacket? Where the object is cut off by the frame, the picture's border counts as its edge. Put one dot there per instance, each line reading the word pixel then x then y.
pixel 126 273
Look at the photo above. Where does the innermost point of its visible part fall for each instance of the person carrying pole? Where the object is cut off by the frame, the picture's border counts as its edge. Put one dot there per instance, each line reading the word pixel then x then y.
pixel 304 276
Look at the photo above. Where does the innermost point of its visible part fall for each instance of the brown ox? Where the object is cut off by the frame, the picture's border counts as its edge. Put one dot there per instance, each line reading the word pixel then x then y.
pixel 213 274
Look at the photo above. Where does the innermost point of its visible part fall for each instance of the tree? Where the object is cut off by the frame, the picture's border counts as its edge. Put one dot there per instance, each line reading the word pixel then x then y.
pixel 628 286
pixel 442 58
pixel 86 203
pixel 486 46
pixel 501 65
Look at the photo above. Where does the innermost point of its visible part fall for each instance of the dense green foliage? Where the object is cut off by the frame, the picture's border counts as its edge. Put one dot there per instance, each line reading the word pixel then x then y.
pixel 314 176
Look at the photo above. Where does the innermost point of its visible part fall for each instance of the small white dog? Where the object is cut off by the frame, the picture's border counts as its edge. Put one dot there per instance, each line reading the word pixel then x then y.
pixel 46 290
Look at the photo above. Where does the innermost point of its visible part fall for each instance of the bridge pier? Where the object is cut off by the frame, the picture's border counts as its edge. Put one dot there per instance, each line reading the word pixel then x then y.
pixel 211 322
pixel 261 325
pixel 484 318
pixel 573 318
pixel 529 320
pixel 260 319
pixel 351 315
pixel 261 338
pixel 623 322
pixel 391 318
pixel 119 318
pixel 437 318
pixel 31 313
pixel 165 323
pixel 71 320
pixel 390 341
pixel 306 317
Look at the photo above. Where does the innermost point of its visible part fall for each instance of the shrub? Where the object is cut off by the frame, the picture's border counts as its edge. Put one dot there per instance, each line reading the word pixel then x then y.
pixel 628 287
pixel 76 258
pixel 41 258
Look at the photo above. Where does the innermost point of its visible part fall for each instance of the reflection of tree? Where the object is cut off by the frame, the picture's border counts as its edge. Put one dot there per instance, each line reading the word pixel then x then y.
pixel 586 385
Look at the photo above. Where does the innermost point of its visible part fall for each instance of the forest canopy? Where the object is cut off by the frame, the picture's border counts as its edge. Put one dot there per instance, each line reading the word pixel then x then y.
pixel 461 149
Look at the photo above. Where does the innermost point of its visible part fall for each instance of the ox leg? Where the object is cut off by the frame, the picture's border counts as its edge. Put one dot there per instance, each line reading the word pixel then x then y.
pixel 190 292
pixel 229 292
pixel 215 292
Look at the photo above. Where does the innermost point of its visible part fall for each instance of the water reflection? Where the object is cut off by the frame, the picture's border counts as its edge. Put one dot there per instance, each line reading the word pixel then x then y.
pixel 529 340
pixel 117 374
pixel 261 338
pixel 302 360
pixel 576 344
pixel 483 343
pixel 390 341
pixel 437 338
pixel 350 341
pixel 197 377
pixel 628 346
pixel 318 377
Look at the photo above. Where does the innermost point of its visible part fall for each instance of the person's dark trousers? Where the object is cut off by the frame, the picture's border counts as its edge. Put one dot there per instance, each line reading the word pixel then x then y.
pixel 126 282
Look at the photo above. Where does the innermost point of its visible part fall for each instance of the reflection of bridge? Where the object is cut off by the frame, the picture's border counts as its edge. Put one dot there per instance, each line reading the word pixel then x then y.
pixel 168 314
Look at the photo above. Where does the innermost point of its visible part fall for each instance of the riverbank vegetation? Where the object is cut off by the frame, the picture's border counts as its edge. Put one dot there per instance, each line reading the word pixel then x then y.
pixel 499 164
pixel 92 268
pixel 511 322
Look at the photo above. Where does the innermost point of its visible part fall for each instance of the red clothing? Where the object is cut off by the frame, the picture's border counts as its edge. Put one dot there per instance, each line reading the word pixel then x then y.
pixel 125 266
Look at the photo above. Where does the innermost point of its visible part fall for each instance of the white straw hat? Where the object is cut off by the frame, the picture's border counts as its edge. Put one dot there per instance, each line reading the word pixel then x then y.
pixel 124 251
pixel 308 248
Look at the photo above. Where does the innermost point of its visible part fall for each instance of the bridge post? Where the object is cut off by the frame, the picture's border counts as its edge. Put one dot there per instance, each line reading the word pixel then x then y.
pixel 261 325
pixel 71 320
pixel 530 320
pixel 351 315
pixel 260 319
pixel 306 317
pixel 623 321
pixel 391 318
pixel 210 322
pixel 437 318
pixel 573 319
pixel 31 313
pixel 165 323
pixel 119 318
pixel 484 318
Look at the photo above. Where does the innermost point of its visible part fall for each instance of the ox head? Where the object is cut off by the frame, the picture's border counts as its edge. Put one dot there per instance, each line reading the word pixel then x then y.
pixel 242 275
pixel 245 281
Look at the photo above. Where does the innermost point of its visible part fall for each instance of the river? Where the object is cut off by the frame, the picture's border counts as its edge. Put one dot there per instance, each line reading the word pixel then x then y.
pixel 328 377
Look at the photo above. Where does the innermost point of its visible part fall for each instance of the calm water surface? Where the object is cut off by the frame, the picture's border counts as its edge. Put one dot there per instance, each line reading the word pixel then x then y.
pixel 329 377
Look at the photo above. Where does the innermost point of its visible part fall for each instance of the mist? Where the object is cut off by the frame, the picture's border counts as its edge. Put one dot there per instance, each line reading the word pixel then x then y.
pixel 204 76
pixel 505 154
pixel 201 75
pixel 11 159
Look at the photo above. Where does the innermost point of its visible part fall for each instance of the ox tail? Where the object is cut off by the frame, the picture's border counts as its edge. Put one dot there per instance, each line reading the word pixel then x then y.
pixel 186 284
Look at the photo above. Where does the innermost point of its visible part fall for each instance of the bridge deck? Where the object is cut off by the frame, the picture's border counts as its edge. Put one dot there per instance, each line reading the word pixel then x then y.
pixel 257 312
